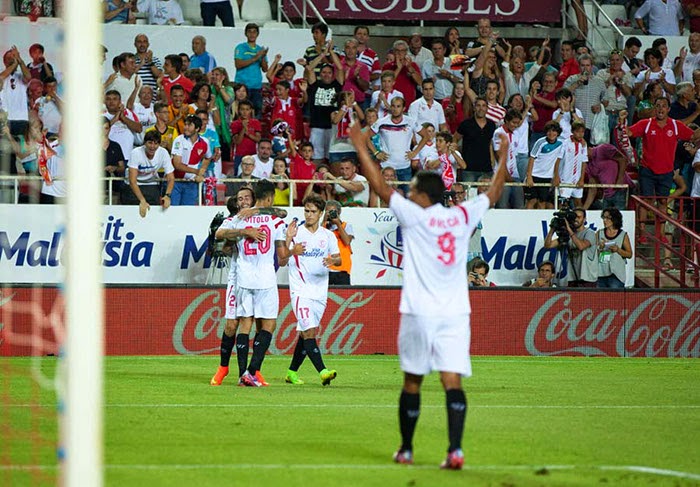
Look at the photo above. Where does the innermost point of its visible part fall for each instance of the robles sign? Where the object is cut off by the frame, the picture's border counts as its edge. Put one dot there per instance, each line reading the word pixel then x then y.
pixel 434 10
pixel 365 321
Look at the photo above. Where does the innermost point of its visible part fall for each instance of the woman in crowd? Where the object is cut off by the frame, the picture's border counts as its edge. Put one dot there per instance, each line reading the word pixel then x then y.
pixel 281 177
pixel 240 93
pixel 486 70
pixel 545 103
pixel 457 107
pixel 521 135
pixel 614 249
pixel 223 94
pixel 645 108
pixel 452 41
pixel 202 99
pixel 341 147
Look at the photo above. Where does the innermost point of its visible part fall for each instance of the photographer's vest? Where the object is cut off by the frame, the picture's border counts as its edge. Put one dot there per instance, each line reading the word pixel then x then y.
pixel 345 253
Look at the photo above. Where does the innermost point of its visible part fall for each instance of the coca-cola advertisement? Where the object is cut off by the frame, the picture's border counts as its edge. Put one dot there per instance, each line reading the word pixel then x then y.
pixel 188 321
pixel 530 12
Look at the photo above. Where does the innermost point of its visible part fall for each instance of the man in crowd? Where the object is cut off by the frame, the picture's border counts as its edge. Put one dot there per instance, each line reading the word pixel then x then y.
pixel 438 69
pixel 569 65
pixel 418 53
pixel 247 168
pixel 40 68
pixel 545 276
pixel 666 18
pixel 149 68
pixel 172 69
pixel 588 90
pixel 367 56
pixel 344 233
pixel 124 124
pixel 126 80
pixel 191 157
pixel 582 270
pixel 689 59
pixel 427 109
pixel 351 189
pixel 200 58
pixel 263 160
pixel 178 109
pixel 250 60
pixel 357 76
pixel 407 74
pixel 485 30
pixel 167 132
pixel 13 97
pixel 322 95
pixel 144 165
pixel 49 108
pixel 477 134
pixel 210 9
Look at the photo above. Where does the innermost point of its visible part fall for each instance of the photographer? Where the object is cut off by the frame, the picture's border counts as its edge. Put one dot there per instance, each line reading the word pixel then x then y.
pixel 478 273
pixel 339 275
pixel 579 242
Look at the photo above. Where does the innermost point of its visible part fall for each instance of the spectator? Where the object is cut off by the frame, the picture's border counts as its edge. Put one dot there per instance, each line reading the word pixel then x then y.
pixel 417 53
pixel 113 161
pixel 645 108
pixel 389 175
pixel 148 67
pixel 117 12
pixel 211 9
pixel 144 180
pixel 288 108
pixel 426 109
pixel 172 75
pixel 381 99
pixel 297 89
pixel 606 165
pixel 251 61
pixel 521 134
pixel 35 90
pixel 517 80
pixel 201 59
pixel 162 12
pixel 324 190
pixel 26 147
pixel 185 58
pixel 618 87
pixel 632 64
pixel 207 132
pixel 438 69
pixel 453 43
pixel 582 264
pixel 569 65
pixel 653 59
pixel 247 167
pixel 692 8
pixel 570 167
pixel 223 101
pixel 512 196
pixel 13 97
pixel 56 191
pixel 545 276
pixel 614 250
pixel 479 273
pixel 588 92
pixel 406 73
pixel 323 94
pixel 689 60
pixel 280 175
pixel 486 33
pixel 246 133
pixel 448 160
pixel 203 100
pixel 191 157
pixel 485 71
pixel 495 112
pixel 543 157
pixel 666 61
pixel 301 166
pixel 544 102
pixel 351 189
pixel 167 132
pixel 581 20
pixel 340 147
pixel 322 48
pixel 340 275
pixel 178 110
pixel 685 108
pixel 567 113
pixel 367 56
pixel 263 160
pixel 49 108
pixel 39 68
pixel 356 73
pixel 457 108
pixel 124 123
pixel 477 134
pixel 143 109
pixel 666 18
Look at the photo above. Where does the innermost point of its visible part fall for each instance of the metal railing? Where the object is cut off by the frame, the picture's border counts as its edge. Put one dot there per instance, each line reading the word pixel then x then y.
pixel 306 5
pixel 592 23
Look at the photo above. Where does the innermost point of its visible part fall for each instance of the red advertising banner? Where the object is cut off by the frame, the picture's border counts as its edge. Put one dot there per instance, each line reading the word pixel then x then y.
pixel 167 321
pixel 530 12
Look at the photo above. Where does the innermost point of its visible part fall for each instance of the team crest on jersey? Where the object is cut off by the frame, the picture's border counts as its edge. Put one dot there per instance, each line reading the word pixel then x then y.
pixel 669 133
pixel 390 254
pixel 323 244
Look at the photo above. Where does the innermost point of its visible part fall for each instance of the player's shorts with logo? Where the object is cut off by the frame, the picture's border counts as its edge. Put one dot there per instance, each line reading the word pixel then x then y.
pixel 571 193
pixel 308 312
pixel 260 303
pixel 428 343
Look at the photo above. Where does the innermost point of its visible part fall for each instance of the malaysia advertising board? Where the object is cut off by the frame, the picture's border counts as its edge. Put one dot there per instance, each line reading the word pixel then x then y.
pixel 189 321
pixel 529 12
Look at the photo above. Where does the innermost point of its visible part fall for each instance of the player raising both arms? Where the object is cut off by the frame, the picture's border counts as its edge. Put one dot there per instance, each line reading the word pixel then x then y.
pixel 240 207
pixel 314 250
pixel 434 333
pixel 257 296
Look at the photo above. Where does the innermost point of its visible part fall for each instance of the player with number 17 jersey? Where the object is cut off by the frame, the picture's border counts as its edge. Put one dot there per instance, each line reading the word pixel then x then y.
pixel 256 260
pixel 308 277
pixel 436 241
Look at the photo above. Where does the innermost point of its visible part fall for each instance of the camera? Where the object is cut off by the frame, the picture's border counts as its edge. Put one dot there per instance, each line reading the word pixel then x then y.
pixel 448 197
pixel 214 246
pixel 558 223
pixel 332 214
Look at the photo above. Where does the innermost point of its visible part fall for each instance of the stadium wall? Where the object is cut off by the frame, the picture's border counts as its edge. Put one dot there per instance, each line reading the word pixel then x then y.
pixel 189 321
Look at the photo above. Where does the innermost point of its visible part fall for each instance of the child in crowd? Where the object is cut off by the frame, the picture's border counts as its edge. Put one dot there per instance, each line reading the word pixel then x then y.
pixel 567 113
pixel 281 178
pixel 301 166
pixel 540 168
pixel 245 132
pixel 570 167
pixel 381 99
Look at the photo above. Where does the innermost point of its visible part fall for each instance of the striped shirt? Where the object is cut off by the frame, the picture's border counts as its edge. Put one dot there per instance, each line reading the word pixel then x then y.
pixel 496 113
pixel 144 71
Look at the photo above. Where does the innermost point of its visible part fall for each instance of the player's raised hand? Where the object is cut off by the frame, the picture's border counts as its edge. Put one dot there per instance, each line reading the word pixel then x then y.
pixel 254 234
pixel 292 229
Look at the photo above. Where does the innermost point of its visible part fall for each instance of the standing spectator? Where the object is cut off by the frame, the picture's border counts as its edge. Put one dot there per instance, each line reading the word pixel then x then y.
pixel 588 90
pixel 191 157
pixel 126 80
pixel 124 123
pixel 144 181
pixel 396 132
pixel 40 68
pixel 344 233
pixel 661 44
pixel 148 67
pixel 223 99
pixel 203 100
pixel 544 102
pixel 632 64
pixel 168 133
pixel 426 109
pixel 114 161
pixel 322 47
pixel 606 165
pixel 545 276
pixel 486 70
pixel 417 52
pixel 56 191
pixel 692 8
pixel 540 169
pixel 367 56
pixel 495 112
pixel 49 108
pixel 297 91
pixel 162 12
pixel 477 134
pixel 522 132
pixel 245 132
pixel 340 147
pixel 581 19
pixel 322 95
pixel 689 59
pixel 567 113
pixel 406 73
pixel 185 58
pixel 172 75
pixel 251 62
pixel 13 97
pixel 201 59
pixel 287 108
pixel 381 99
pixel 569 65
pixel 211 9
pixel 117 12
pixel 517 80
pixel 614 250
pixel 457 107
pixel 351 189
pixel 570 167
pixel 356 73
pixel 301 166
pixel 512 196
pixel 454 44
pixel 143 109
pixel 666 18
pixel 655 71
pixel 208 132
pixel 475 48
pixel 178 110
pixel 582 265
pixel 438 69
pixel 619 85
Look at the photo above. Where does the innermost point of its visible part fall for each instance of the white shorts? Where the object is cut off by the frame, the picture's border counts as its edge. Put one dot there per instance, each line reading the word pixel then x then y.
pixel 571 192
pixel 427 343
pixel 308 312
pixel 231 290
pixel 258 303
pixel 321 140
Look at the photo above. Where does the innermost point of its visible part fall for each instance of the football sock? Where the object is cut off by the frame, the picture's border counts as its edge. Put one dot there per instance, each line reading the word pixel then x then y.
pixel 299 355
pixel 314 353
pixel 409 410
pixel 260 346
pixel 242 345
pixel 456 413
pixel 227 344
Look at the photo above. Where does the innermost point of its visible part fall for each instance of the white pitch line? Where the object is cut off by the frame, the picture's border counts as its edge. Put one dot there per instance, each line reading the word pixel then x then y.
pixel 384 466
pixel 377 406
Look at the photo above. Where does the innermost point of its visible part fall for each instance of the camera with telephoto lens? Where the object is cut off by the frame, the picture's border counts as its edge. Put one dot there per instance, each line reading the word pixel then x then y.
pixel 214 246
pixel 332 214
pixel 448 197
pixel 558 223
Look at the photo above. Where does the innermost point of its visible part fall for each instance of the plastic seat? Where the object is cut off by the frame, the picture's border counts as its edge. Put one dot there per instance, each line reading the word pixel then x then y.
pixel 614 12
pixel 16 19
pixel 258 11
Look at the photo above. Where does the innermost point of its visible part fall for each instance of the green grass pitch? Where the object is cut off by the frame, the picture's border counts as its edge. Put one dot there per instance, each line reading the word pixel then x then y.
pixel 531 422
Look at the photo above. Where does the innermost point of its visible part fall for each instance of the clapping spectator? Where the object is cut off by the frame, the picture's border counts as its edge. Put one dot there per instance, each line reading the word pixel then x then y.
pixel 245 132
pixel 144 110
pixel 149 68
pixel 49 108
pixel 39 68
pixel 407 74
pixel 126 81
pixel 13 97
pixel 438 68
pixel 689 59
pixel 251 61
pixel 381 99
pixel 117 12
pixel 340 147
pixel 356 73
pixel 162 12
pixel 655 72
pixel 123 123
pixel 178 110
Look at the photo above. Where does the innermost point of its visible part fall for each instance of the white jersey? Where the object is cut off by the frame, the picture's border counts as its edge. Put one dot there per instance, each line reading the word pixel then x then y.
pixel 436 241
pixel 381 111
pixel 565 122
pixel 308 277
pixel 228 224
pixel 545 156
pixel 262 170
pixel 573 156
pixel 513 149
pixel 256 260
pixel 396 139
pixel 147 169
